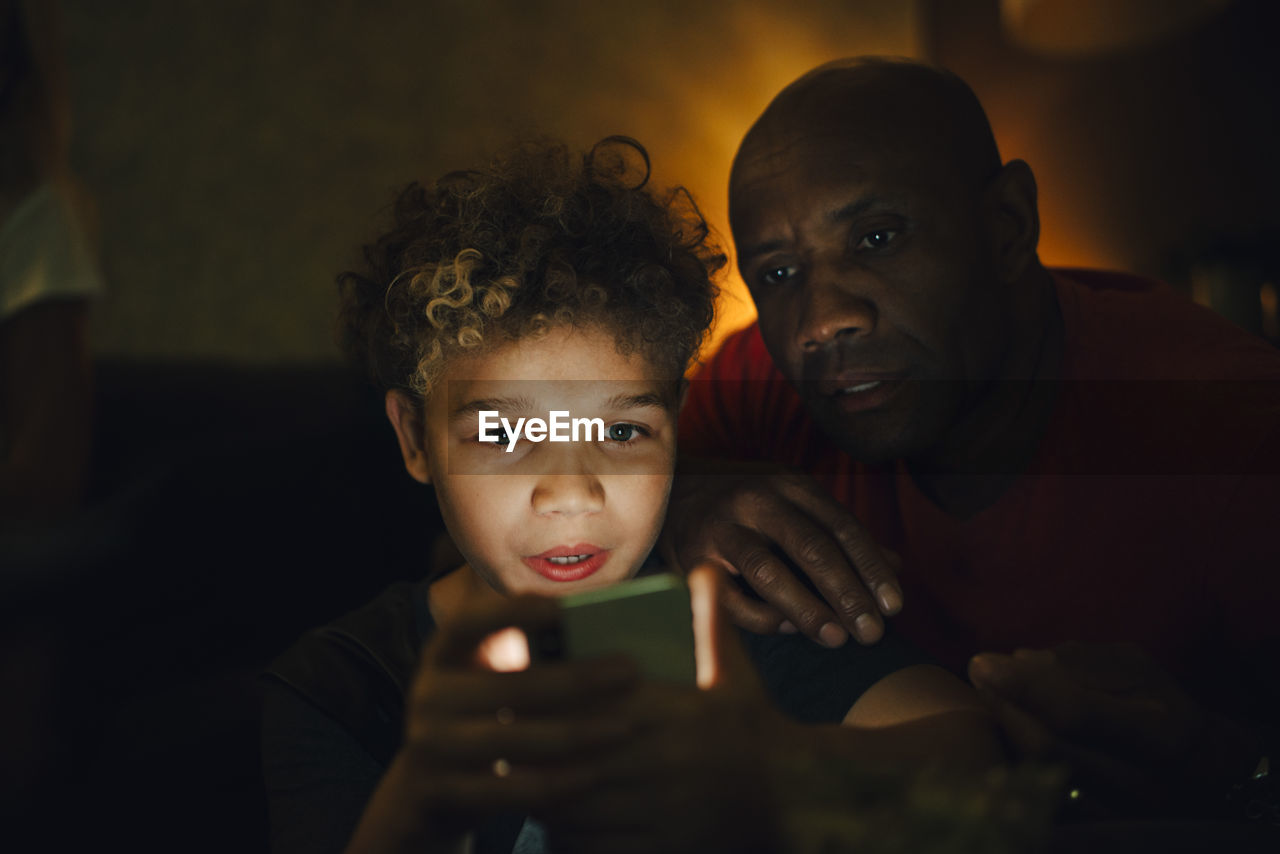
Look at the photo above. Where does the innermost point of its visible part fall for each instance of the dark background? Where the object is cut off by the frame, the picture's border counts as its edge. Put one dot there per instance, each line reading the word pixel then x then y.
pixel 245 486
pixel 240 150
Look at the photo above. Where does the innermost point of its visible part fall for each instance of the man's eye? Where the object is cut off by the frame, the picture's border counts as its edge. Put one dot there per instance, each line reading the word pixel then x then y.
pixel 878 239
pixel 777 275
pixel 623 432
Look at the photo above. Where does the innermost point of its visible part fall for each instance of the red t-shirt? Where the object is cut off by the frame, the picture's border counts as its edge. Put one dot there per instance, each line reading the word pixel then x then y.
pixel 1148 513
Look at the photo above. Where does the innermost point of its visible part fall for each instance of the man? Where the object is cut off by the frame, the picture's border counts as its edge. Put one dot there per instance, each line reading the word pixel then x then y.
pixel 1057 456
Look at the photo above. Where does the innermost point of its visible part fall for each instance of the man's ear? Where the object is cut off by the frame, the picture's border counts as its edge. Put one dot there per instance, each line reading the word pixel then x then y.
pixel 1014 219
pixel 410 431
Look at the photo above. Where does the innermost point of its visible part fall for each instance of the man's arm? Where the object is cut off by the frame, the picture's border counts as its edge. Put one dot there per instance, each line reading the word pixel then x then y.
pixel 924 715
pixel 1135 742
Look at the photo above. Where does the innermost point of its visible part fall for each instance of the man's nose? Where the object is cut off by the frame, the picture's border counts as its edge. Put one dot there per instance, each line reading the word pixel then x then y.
pixel 833 307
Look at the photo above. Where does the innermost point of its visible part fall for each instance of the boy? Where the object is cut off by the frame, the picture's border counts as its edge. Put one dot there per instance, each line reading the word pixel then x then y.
pixel 544 287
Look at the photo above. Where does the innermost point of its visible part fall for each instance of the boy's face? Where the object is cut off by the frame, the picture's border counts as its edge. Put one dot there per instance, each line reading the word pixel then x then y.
pixel 549 517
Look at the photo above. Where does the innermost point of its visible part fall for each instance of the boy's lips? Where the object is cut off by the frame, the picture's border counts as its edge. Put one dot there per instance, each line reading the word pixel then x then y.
pixel 568 563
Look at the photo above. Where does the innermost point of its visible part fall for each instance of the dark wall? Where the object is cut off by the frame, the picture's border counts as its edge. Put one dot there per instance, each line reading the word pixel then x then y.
pixel 240 150
pixel 1159 159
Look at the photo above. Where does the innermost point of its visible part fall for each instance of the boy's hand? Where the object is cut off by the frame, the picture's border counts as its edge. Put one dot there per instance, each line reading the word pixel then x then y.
pixel 479 741
pixel 696 774
pixel 742 522
pixel 490 740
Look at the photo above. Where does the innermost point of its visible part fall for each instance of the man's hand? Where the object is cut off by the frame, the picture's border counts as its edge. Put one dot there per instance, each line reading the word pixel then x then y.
pixel 744 523
pixel 1135 743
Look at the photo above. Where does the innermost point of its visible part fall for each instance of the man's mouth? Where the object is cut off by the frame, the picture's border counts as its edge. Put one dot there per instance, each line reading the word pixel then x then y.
pixel 859 391
pixel 860 387
pixel 568 563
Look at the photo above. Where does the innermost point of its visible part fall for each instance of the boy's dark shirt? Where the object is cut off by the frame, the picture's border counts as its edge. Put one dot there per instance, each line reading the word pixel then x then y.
pixel 334 711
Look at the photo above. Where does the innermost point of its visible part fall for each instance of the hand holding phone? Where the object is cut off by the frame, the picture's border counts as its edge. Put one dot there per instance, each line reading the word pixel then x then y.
pixel 646 618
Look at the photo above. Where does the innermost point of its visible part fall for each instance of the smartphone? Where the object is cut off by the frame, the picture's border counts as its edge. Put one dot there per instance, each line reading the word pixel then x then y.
pixel 647 618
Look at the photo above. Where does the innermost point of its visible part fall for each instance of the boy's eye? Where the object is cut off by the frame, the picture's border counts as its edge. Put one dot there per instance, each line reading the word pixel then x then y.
pixel 503 439
pixel 623 432
pixel 878 239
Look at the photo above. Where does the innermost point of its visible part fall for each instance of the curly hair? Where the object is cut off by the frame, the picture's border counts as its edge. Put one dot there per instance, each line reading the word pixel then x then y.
pixel 536 239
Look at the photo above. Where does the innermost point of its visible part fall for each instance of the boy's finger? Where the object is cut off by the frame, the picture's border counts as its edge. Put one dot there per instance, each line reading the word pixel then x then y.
pixel 456 642
pixel 563 687
pixel 718 650
pixel 520 788
pixel 484 739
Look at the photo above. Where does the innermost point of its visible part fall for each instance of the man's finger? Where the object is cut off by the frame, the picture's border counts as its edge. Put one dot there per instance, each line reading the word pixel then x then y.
pixel 1032 680
pixel 1096 777
pixel 777 584
pixel 751 614
pixel 1026 736
pixel 820 557
pixel 874 568
pixel 1035 681
pixel 1118 669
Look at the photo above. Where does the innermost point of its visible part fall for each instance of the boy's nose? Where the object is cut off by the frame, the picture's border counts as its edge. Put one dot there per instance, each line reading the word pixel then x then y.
pixel 568 495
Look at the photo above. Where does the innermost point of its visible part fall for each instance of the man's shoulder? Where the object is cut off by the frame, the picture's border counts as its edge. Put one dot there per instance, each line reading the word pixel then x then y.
pixel 1159 384
pixel 1123 326
pixel 741 356
pixel 740 406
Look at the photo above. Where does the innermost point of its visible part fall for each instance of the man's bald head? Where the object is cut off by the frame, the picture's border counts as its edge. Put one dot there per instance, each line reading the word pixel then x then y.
pixel 885 246
pixel 885 104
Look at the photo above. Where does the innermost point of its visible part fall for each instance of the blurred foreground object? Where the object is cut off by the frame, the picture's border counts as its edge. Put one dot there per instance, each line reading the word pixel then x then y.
pixel 1007 810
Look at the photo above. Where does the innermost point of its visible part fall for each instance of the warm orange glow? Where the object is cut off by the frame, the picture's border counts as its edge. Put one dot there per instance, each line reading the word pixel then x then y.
pixel 1075 230
pixel 697 111
pixel 348 108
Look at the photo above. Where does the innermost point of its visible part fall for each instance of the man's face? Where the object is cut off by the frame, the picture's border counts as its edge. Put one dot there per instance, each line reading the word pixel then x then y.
pixel 553 517
pixel 868 266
